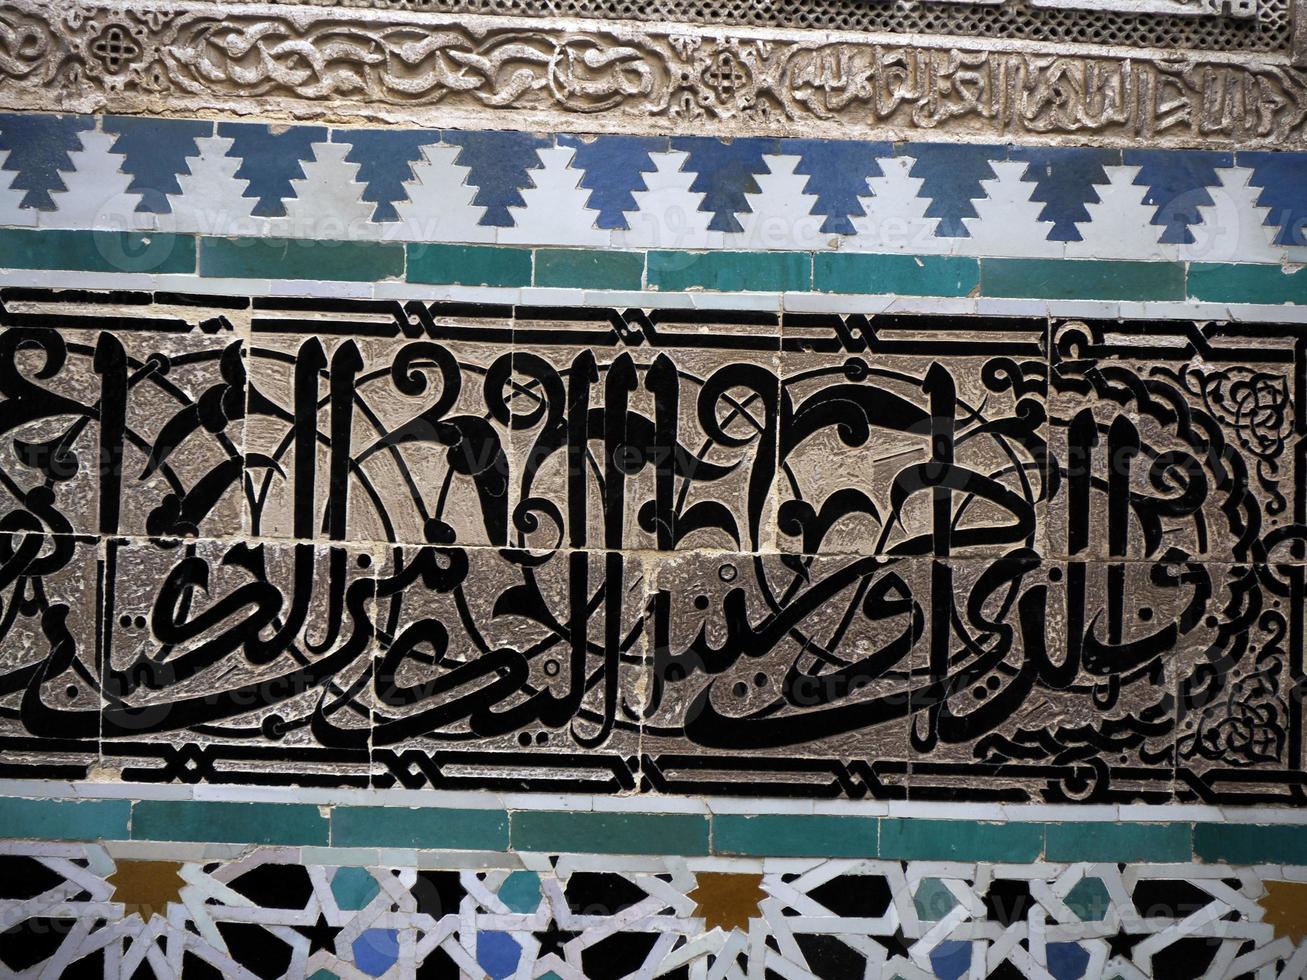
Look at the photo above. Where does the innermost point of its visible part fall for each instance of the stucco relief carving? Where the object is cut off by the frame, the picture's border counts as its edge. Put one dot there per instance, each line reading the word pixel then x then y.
pixel 437 70
pixel 1180 8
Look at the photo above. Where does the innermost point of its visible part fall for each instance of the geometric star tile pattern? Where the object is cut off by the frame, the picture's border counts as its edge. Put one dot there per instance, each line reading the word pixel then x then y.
pixel 275 913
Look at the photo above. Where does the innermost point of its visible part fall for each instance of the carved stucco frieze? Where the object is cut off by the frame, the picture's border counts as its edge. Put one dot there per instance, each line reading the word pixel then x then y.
pixel 314 62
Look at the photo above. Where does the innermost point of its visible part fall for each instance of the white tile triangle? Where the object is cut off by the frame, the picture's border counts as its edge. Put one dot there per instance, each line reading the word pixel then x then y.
pixel 1233 227
pixel 668 215
pixel 439 206
pixel 781 216
pixel 211 200
pixel 328 203
pixel 895 219
pixel 555 210
pixel 96 194
pixel 1120 224
pixel 1007 222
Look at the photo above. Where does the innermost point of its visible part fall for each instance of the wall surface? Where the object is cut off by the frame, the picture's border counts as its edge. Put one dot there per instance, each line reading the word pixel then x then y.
pixel 715 493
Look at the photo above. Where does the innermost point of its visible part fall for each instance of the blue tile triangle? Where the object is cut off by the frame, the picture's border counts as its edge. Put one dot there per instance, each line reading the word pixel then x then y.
pixel 1283 180
pixel 614 168
pixel 40 148
pixel 498 165
pixel 838 171
pixel 155 152
pixel 385 158
pixel 951 175
pixel 725 171
pixel 271 160
pixel 1065 180
pixel 1177 182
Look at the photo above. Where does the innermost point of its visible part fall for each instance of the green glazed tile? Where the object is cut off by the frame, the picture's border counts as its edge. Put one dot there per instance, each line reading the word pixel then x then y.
pixel 96 251
pixel 521 892
pixel 960 840
pixel 1222 283
pixel 353 888
pixel 730 272
pixel 228 823
pixel 1089 900
pixel 933 900
pixel 1082 279
pixel 469 265
pixel 1156 843
pixel 902 275
pixel 82 820
pixel 588 269
pixel 1250 844
pixel 775 835
pixel 427 828
pixel 292 258
pixel 557 832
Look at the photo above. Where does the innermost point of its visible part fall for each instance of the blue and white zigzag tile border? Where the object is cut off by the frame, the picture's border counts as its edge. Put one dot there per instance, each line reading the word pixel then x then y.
pixel 256 179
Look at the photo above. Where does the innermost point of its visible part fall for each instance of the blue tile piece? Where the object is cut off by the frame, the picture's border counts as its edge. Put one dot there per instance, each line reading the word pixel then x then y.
pixel 1283 180
pixel 39 148
pixel 951 175
pixel 271 160
pixel 385 158
pixel 376 951
pixel 1067 961
pixel 1064 179
pixel 951 959
pixel 725 171
pixel 154 152
pixel 1177 182
pixel 614 167
pixel 498 165
pixel 498 954
pixel 838 171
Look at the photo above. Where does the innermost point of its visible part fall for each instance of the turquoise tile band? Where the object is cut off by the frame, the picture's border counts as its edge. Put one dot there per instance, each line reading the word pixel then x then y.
pixel 469 265
pixel 588 269
pixel 654 272
pixel 86 820
pixel 438 828
pixel 1154 843
pixel 96 251
pixel 1232 843
pixel 1082 279
pixel 907 275
pixel 769 272
pixel 290 258
pixel 958 840
pixel 770 835
pixel 1247 284
pixel 229 823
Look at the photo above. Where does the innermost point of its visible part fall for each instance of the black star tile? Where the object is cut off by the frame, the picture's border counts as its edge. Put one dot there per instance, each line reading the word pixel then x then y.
pixel 320 935
pixel 552 940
